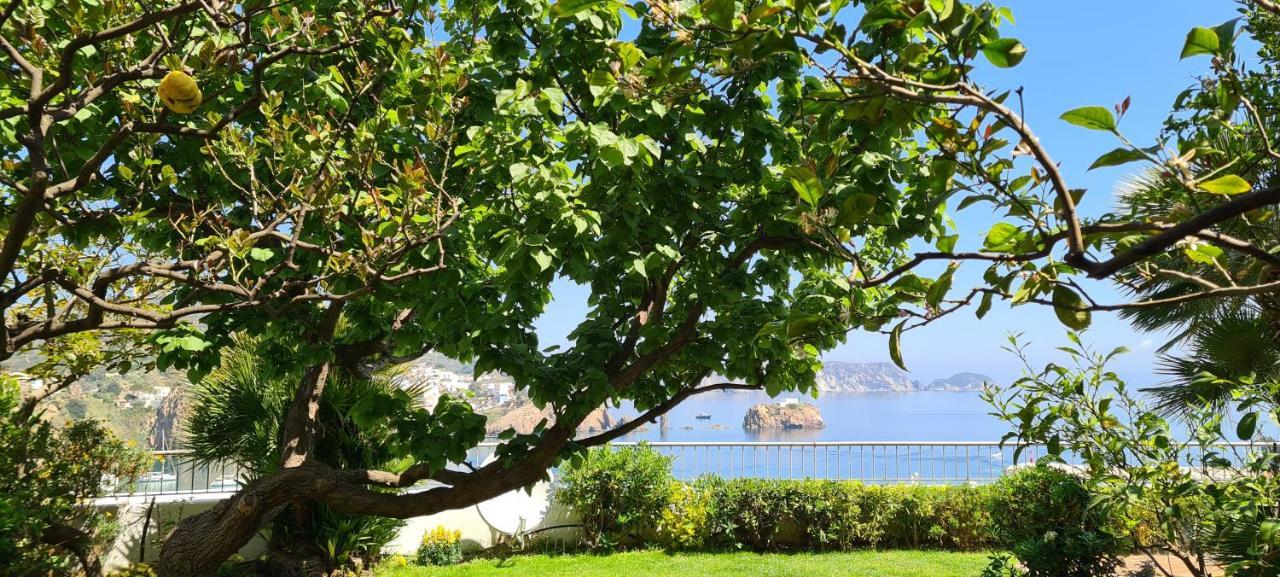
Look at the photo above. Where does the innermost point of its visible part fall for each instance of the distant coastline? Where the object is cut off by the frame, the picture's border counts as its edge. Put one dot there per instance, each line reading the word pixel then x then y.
pixel 843 377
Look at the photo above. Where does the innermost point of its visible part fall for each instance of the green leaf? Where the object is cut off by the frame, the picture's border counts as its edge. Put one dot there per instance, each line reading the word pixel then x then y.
pixel 1229 184
pixel 1269 532
pixel 543 259
pixel 388 228
pixel 801 325
pixel 1005 52
pixel 942 8
pixel 895 346
pixel 772 328
pixel 856 208
pixel 1118 157
pixel 806 183
pixel 261 254
pixel 1201 40
pixel 1002 237
pixel 568 8
pixel 1226 34
pixel 637 266
pixel 1067 306
pixel 187 343
pixel 1092 117
pixel 984 306
pixel 1202 253
pixel 720 12
pixel 938 290
pixel 1246 427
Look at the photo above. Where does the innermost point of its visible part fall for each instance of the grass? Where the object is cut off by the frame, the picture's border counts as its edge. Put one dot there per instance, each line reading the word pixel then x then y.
pixel 657 563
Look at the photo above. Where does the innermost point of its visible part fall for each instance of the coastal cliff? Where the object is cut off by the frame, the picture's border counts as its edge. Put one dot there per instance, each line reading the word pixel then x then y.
pixel 166 428
pixel 525 418
pixel 787 415
pixel 842 377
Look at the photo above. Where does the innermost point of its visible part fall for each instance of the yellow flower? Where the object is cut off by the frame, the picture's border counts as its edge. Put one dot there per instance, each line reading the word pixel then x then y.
pixel 179 92
pixel 442 536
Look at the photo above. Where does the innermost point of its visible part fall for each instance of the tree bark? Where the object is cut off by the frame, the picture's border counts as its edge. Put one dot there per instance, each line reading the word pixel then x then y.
pixel 298 435
pixel 197 545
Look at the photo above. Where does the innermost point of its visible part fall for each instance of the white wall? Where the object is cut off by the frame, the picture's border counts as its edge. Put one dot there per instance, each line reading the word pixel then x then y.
pixel 131 514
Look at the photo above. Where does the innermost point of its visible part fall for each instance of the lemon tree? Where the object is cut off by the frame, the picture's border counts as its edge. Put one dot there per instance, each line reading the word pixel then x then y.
pixel 734 184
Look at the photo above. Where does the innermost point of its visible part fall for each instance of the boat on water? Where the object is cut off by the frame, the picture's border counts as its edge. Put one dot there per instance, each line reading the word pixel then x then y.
pixel 703 416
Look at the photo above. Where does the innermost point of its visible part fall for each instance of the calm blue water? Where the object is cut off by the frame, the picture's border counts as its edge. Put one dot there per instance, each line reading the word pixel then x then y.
pixel 917 416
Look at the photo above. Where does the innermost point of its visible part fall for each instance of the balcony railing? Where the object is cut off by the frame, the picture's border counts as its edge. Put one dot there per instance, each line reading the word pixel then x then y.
pixel 177 472
pixel 871 462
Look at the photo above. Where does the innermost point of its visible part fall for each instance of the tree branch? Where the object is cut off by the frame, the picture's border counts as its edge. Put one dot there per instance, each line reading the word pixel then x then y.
pixel 658 411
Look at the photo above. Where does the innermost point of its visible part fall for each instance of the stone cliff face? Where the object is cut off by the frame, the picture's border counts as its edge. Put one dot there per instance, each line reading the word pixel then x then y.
pixel 841 377
pixel 782 416
pixel 525 418
pixel 166 431
pixel 958 382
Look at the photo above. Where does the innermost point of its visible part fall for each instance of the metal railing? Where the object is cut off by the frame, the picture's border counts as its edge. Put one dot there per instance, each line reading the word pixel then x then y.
pixel 870 462
pixel 177 472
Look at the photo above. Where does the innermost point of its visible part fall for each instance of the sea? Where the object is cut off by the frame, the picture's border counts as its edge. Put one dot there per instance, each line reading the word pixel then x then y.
pixel 869 416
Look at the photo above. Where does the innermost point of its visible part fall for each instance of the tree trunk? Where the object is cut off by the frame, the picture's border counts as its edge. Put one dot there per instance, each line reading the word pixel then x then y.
pixel 199 544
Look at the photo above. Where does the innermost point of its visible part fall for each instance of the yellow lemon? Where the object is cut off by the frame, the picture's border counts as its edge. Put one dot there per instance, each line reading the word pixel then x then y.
pixel 179 92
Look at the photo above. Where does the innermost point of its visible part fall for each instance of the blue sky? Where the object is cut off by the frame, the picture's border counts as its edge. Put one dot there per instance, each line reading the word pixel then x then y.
pixel 1081 52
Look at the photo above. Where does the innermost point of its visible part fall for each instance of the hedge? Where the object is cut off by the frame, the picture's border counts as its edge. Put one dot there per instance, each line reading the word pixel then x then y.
pixel 626 497
pixel 819 515
pixel 1040 514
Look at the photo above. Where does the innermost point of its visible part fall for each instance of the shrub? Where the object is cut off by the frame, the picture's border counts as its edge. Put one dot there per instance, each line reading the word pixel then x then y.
pixel 619 493
pixel 1043 516
pixel 1003 566
pixel 823 515
pixel 48 477
pixel 913 517
pixel 440 546
pixel 684 521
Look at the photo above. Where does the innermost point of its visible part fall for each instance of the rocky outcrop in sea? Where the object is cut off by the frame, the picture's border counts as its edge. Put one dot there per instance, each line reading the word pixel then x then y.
pixel 784 415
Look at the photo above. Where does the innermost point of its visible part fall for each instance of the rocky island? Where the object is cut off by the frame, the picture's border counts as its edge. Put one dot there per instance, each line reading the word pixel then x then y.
pixel 789 414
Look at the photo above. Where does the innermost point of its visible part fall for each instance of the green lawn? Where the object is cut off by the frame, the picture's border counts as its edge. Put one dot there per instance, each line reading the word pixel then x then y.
pixel 659 564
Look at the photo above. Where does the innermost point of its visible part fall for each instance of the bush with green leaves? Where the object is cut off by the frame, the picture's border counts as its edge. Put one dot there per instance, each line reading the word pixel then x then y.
pixel 955 518
pixel 763 514
pixel 630 493
pixel 759 513
pixel 1044 517
pixel 48 477
pixel 1175 489
pixel 620 492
